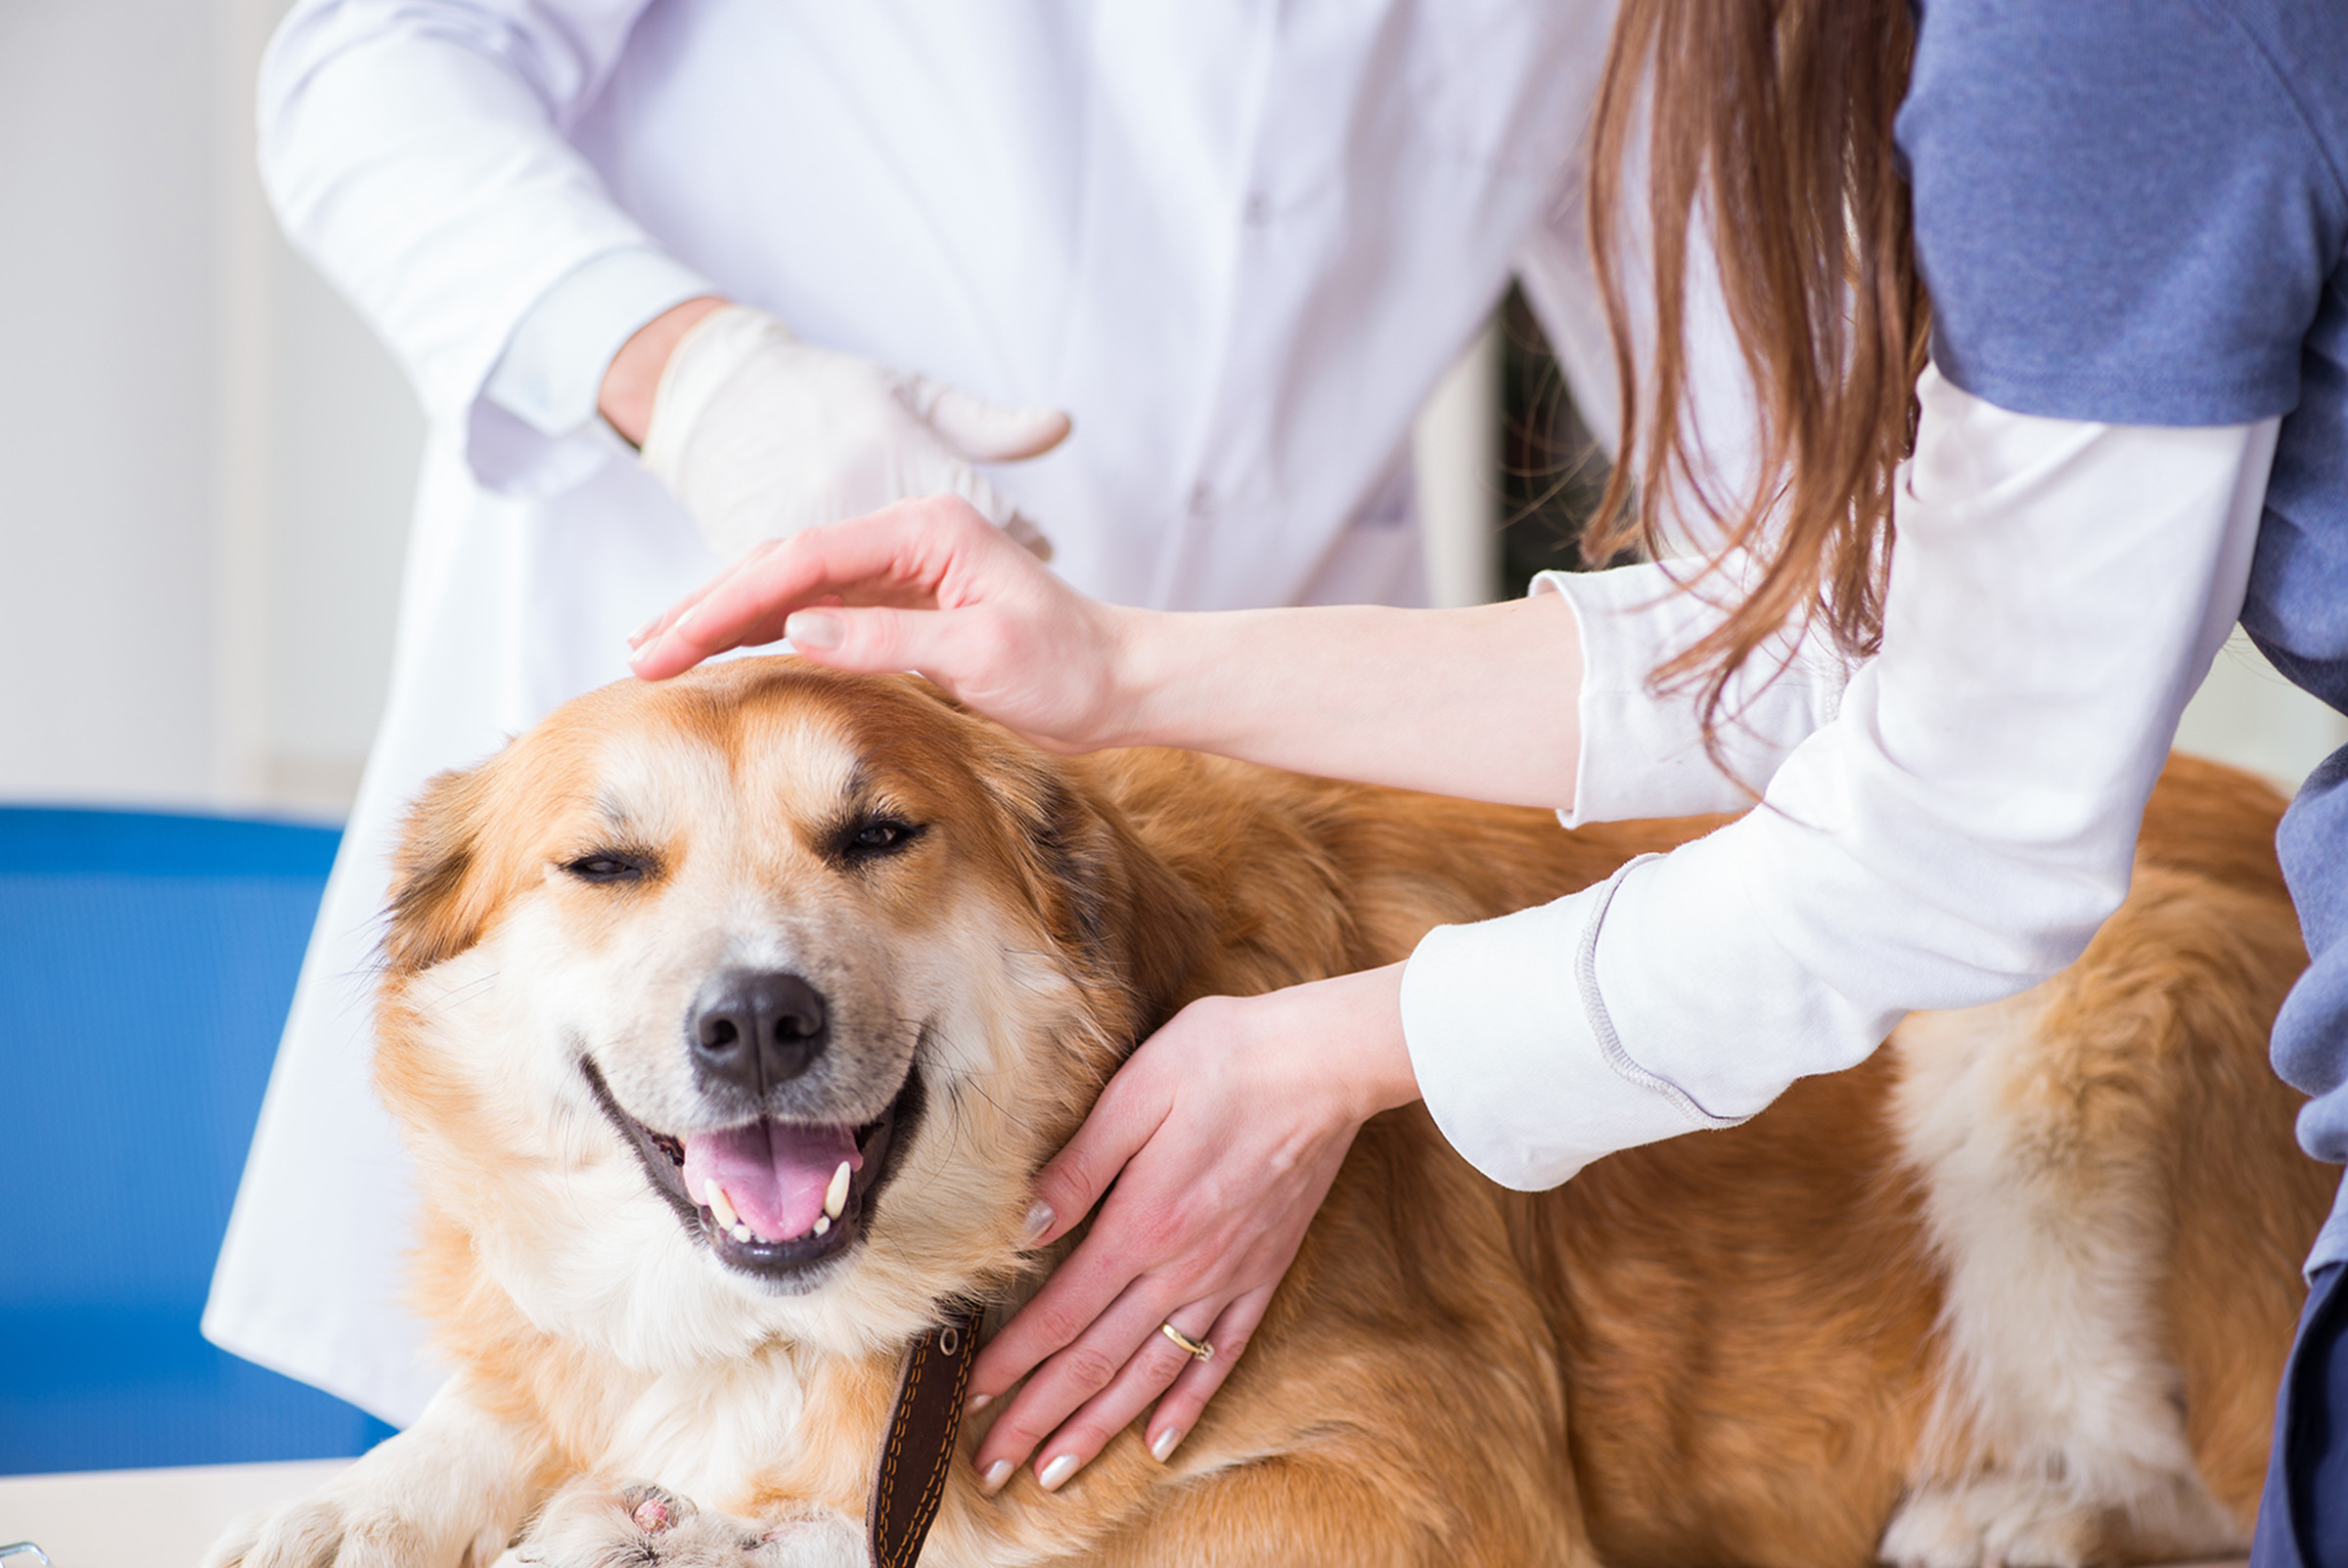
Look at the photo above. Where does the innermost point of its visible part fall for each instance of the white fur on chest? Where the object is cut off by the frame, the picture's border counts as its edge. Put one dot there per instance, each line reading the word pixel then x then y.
pixel 715 1432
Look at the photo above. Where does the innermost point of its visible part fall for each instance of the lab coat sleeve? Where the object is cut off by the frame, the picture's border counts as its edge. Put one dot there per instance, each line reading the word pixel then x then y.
pixel 413 150
pixel 1955 835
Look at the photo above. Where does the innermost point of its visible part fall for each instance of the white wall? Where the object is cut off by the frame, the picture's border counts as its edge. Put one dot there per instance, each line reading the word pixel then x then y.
pixel 107 180
pixel 204 463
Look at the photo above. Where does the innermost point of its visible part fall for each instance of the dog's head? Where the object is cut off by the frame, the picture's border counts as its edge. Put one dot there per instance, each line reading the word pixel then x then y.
pixel 748 1003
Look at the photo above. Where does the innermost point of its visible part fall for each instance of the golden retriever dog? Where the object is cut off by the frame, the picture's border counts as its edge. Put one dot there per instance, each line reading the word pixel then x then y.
pixel 2017 1290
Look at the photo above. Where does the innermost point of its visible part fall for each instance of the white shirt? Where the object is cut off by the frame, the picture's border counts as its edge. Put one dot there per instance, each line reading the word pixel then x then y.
pixel 1238 242
pixel 1944 825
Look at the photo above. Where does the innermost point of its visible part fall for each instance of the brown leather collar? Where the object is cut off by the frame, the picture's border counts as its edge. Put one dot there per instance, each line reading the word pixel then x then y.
pixel 918 1449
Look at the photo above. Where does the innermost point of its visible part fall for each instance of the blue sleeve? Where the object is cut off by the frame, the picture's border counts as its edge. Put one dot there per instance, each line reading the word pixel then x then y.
pixel 2126 209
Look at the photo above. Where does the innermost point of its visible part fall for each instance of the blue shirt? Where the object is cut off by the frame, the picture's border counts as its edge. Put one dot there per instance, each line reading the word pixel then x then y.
pixel 2136 211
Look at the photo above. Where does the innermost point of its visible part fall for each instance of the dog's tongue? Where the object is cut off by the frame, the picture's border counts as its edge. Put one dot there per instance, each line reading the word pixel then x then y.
pixel 774 1173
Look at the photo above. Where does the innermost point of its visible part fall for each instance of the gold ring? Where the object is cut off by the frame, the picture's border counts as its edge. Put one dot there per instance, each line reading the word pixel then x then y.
pixel 1196 1347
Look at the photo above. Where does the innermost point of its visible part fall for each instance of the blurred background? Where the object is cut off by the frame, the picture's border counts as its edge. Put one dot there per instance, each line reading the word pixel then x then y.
pixel 210 465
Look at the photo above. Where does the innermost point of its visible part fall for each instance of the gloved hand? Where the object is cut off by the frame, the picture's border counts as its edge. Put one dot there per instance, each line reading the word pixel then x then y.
pixel 761 436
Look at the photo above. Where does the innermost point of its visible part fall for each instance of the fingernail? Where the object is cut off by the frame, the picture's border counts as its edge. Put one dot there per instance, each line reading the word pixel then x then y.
pixel 978 1402
pixel 996 1474
pixel 1163 1443
pixel 811 628
pixel 643 632
pixel 1039 1220
pixel 1059 1471
pixel 643 653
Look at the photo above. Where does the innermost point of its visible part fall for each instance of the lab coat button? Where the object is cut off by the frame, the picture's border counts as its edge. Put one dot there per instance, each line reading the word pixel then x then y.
pixel 1203 500
pixel 1258 208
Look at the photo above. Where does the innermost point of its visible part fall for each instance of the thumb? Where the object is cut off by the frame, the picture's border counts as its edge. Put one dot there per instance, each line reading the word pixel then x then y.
pixel 984 431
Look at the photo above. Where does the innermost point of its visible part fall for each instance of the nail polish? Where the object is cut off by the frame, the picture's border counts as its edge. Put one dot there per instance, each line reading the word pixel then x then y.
pixel 1162 1445
pixel 977 1403
pixel 996 1474
pixel 1039 1220
pixel 1059 1471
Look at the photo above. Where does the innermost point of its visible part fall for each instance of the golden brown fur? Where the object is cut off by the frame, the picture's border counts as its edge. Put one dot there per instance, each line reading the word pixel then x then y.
pixel 1758 1346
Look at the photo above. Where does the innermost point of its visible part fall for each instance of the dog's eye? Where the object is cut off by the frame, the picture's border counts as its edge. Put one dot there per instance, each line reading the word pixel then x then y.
pixel 880 835
pixel 606 867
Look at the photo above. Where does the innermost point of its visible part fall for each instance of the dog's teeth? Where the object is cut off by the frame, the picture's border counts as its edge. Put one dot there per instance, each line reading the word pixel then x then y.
pixel 715 1196
pixel 742 1232
pixel 836 1196
pixel 823 1223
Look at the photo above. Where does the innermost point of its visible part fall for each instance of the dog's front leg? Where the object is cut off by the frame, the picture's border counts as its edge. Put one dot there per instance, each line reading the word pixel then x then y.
pixel 448 1491
pixel 592 1524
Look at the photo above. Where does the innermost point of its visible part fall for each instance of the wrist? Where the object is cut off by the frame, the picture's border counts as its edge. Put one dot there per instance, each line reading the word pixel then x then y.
pixel 1350 1030
pixel 634 375
pixel 1142 667
pixel 1160 664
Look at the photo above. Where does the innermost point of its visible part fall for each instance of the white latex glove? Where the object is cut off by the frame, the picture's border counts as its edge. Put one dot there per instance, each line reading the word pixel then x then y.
pixel 761 436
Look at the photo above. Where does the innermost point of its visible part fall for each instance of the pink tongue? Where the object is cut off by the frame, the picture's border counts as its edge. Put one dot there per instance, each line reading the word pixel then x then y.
pixel 774 1173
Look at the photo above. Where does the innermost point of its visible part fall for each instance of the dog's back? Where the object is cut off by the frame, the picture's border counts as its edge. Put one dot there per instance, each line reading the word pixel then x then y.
pixel 2019 1285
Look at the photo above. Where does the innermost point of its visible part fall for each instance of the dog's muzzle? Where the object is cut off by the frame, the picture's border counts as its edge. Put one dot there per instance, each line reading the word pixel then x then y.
pixel 775 1198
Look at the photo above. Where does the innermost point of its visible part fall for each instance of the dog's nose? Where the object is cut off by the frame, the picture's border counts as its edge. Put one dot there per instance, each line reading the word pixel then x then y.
pixel 755 1027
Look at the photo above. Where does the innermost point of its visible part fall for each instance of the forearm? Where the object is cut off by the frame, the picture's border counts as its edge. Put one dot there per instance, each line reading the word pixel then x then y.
pixel 1476 702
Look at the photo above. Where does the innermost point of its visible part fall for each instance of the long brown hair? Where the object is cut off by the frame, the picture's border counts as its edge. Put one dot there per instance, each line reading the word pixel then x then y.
pixel 1770 122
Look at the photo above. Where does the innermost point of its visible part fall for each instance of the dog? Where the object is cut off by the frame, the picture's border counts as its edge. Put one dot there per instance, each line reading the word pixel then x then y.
pixel 2017 1290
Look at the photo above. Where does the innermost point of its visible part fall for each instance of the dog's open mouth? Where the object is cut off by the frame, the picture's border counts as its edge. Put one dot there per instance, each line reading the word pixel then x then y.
pixel 772 1197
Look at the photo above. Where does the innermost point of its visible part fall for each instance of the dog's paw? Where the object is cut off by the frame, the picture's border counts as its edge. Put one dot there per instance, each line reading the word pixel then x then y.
pixel 2030 1521
pixel 329 1532
pixel 592 1525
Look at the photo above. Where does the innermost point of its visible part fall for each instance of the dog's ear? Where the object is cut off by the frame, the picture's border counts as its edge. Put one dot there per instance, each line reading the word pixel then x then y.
pixel 439 896
pixel 1114 898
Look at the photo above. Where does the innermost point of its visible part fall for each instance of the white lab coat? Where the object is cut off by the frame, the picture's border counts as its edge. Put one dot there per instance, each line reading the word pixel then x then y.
pixel 1238 241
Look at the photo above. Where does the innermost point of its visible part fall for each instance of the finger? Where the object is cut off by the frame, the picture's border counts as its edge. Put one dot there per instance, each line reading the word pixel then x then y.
pixel 985 431
pixel 908 548
pixel 1129 1111
pixel 1094 1358
pixel 940 643
pixel 1092 1277
pixel 1082 1292
pixel 651 629
pixel 1178 1412
pixel 1157 1365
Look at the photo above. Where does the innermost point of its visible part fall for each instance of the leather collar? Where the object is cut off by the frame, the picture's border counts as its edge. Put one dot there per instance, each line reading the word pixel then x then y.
pixel 918 1449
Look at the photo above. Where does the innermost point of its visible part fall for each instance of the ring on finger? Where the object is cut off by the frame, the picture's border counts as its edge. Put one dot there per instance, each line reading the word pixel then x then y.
pixel 1198 1349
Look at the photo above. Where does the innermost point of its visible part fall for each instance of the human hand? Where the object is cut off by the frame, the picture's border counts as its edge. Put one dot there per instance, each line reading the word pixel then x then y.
pixel 1221 1134
pixel 761 436
pixel 926 585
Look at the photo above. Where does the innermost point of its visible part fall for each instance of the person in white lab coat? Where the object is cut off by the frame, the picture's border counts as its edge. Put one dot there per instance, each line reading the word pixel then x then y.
pixel 1235 244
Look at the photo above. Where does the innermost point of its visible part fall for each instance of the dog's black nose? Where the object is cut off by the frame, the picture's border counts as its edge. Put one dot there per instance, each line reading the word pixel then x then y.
pixel 753 1028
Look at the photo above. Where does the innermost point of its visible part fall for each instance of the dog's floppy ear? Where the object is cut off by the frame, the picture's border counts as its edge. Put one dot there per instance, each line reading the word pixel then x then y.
pixel 439 896
pixel 1113 897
